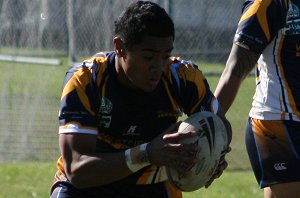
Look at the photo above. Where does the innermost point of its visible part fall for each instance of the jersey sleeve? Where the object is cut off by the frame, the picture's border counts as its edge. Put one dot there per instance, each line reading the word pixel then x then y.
pixel 259 23
pixel 77 112
pixel 194 92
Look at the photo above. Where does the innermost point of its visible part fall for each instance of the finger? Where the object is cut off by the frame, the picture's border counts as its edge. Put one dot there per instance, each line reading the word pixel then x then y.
pixel 189 149
pixel 217 174
pixel 183 167
pixel 176 137
pixel 228 149
pixel 219 171
pixel 209 183
pixel 181 160
pixel 222 166
pixel 173 128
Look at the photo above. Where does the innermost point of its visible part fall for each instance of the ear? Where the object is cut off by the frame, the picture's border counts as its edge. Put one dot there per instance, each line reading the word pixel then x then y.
pixel 118 46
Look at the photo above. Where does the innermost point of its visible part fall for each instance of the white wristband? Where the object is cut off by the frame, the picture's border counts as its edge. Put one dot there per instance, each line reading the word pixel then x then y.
pixel 137 157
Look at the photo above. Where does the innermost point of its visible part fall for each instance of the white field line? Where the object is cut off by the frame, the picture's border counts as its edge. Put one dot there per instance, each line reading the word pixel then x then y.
pixel 35 60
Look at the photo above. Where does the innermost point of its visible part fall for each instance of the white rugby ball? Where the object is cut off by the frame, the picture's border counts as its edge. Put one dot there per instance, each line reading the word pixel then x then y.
pixel 212 139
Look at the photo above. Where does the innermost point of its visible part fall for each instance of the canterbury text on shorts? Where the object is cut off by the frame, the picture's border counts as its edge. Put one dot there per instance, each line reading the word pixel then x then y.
pixel 273 147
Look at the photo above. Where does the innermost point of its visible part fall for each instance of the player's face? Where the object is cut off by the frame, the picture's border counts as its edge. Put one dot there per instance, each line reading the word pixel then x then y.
pixel 144 63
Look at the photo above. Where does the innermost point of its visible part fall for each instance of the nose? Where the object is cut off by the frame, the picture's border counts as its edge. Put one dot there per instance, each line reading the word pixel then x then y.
pixel 159 64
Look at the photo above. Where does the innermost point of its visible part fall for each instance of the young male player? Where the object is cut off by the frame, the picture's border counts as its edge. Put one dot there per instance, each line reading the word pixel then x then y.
pixel 119 109
pixel 268 37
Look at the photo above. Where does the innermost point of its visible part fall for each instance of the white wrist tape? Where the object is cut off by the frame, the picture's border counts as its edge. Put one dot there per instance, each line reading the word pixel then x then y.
pixel 137 157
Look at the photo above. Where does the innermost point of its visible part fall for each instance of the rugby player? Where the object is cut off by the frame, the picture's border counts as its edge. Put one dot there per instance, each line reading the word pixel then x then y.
pixel 268 39
pixel 118 113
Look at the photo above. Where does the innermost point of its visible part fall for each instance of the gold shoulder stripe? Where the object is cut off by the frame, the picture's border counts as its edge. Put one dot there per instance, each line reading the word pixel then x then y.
pixel 78 82
pixel 102 67
pixel 259 7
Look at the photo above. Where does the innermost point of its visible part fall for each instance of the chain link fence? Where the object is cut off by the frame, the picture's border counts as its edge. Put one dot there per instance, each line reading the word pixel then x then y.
pixel 78 28
pixel 49 31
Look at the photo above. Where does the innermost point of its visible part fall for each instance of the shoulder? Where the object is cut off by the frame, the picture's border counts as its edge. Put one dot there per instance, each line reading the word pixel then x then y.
pixel 177 62
pixel 90 69
pixel 260 22
pixel 183 69
pixel 97 63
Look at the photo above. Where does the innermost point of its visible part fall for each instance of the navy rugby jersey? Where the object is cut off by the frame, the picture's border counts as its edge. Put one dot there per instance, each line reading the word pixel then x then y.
pixel 94 102
pixel 272 29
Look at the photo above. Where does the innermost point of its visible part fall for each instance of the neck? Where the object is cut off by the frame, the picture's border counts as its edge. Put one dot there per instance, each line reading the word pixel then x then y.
pixel 121 76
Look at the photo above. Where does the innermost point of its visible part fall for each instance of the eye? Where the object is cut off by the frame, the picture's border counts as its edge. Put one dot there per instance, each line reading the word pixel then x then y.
pixel 167 56
pixel 148 57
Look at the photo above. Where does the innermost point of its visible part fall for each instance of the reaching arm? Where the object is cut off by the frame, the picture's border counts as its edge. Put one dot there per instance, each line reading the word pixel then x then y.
pixel 227 125
pixel 85 167
pixel 239 64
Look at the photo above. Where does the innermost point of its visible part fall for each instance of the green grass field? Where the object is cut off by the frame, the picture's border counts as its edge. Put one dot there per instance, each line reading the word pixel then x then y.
pixel 30 180
pixel 31 176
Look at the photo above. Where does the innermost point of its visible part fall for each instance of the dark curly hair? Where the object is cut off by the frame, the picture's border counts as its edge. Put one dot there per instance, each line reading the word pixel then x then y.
pixel 140 19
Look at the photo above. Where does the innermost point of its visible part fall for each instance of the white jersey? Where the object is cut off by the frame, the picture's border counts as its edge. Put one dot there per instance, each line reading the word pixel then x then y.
pixel 272 28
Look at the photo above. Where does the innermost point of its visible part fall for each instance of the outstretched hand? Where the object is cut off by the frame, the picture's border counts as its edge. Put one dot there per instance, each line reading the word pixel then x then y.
pixel 165 150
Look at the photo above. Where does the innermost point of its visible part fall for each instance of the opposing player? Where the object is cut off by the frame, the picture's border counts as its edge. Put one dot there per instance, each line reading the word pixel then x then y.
pixel 268 37
pixel 119 110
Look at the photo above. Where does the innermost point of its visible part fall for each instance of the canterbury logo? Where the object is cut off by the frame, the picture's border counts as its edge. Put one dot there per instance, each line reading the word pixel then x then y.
pixel 280 166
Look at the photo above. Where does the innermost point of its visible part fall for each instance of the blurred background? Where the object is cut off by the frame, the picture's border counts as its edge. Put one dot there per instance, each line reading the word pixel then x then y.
pixel 41 39
pixel 204 29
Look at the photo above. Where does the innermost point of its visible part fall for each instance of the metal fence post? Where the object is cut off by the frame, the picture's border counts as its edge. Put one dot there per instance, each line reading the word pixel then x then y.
pixel 71 38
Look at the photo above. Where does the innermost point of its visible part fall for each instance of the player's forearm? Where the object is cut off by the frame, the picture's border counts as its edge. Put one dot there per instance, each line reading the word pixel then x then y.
pixel 239 64
pixel 96 169
pixel 227 90
pixel 104 168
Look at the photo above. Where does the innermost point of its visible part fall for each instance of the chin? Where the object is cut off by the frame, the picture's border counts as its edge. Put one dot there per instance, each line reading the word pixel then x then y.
pixel 149 89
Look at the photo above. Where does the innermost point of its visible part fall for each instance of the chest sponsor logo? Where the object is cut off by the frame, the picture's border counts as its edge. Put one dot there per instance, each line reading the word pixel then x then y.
pixel 105 121
pixel 169 113
pixel 132 131
pixel 292 26
pixel 105 108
